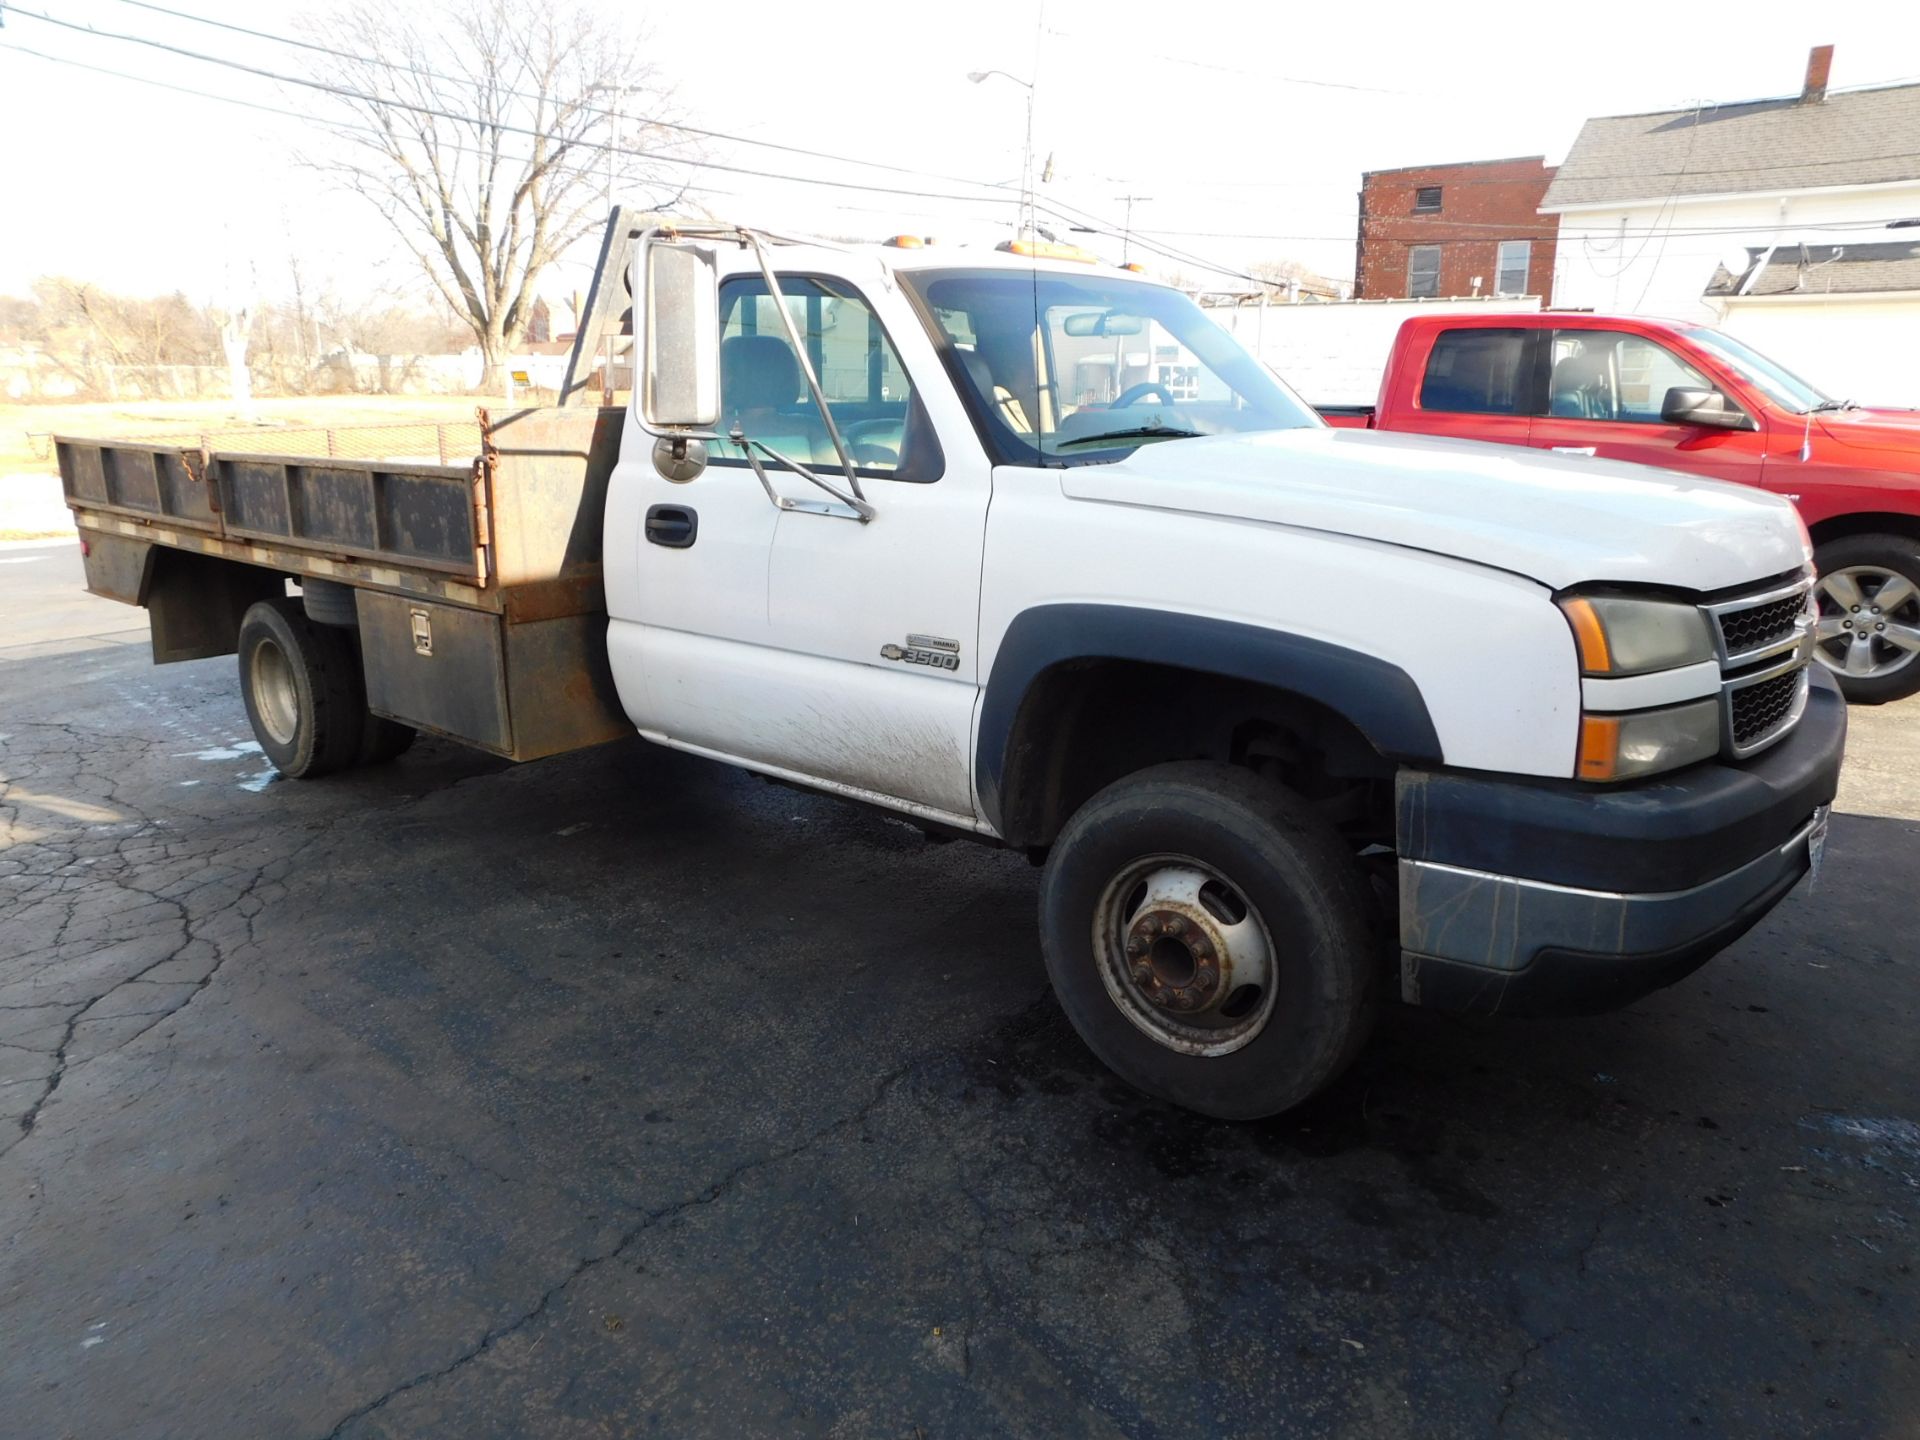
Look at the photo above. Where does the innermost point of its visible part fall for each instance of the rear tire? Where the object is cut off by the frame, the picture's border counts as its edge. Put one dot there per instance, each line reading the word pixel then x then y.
pixel 1857 572
pixel 1212 939
pixel 384 740
pixel 301 685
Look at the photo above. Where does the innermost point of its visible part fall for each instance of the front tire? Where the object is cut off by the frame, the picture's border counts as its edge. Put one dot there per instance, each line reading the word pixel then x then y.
pixel 301 685
pixel 1211 938
pixel 1869 626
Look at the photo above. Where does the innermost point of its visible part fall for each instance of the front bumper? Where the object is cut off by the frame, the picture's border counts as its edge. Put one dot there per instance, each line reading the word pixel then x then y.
pixel 1558 898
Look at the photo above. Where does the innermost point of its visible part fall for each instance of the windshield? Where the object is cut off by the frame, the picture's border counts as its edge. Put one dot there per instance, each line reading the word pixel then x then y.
pixel 1070 369
pixel 1781 385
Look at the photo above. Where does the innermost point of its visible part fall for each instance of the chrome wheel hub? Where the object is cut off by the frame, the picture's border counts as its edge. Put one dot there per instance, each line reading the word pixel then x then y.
pixel 1184 955
pixel 1869 621
pixel 275 699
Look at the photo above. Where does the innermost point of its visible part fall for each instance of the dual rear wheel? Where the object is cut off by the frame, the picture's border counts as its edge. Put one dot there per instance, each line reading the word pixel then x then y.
pixel 306 696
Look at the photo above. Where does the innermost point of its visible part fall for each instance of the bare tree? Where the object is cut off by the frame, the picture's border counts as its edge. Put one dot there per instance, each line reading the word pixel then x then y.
pixel 492 135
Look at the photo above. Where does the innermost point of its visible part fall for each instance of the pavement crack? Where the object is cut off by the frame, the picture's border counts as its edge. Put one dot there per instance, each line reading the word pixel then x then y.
pixel 627 1238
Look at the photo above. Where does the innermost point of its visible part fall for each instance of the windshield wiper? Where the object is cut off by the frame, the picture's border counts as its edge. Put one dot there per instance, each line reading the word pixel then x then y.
pixel 1138 432
pixel 1832 405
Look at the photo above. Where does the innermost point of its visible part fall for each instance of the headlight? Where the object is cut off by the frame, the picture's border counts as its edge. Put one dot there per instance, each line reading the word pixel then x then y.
pixel 1641 742
pixel 1621 636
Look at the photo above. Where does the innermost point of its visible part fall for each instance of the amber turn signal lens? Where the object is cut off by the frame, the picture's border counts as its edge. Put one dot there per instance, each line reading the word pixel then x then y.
pixel 1599 747
pixel 1590 635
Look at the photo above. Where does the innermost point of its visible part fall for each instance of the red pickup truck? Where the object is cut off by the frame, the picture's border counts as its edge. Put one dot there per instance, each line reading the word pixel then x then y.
pixel 1690 398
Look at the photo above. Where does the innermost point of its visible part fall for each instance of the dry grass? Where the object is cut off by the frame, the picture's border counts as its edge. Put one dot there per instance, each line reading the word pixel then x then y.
pixel 24 447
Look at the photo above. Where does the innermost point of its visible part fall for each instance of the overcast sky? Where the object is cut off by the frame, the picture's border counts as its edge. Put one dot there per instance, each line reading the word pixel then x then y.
pixel 1246 126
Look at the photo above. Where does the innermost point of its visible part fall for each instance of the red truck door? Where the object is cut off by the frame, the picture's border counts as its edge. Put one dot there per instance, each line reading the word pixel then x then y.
pixel 1476 382
pixel 1605 390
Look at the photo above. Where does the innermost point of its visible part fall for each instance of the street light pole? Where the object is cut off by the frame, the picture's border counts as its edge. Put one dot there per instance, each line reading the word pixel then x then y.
pixel 1026 162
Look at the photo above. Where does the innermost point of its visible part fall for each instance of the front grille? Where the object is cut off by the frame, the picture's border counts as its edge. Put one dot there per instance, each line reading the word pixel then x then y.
pixel 1764 646
pixel 1756 711
pixel 1761 626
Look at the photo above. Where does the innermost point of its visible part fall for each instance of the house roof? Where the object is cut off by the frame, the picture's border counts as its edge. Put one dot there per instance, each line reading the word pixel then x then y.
pixel 1858 137
pixel 1825 270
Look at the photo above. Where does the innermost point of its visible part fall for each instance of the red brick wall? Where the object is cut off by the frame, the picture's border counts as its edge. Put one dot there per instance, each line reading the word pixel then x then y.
pixel 1480 205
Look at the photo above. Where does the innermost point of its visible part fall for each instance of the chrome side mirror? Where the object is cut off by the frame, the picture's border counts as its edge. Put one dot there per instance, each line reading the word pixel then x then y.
pixel 680 355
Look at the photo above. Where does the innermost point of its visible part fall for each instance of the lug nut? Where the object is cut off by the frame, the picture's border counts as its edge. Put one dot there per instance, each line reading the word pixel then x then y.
pixel 1176 925
pixel 1143 974
pixel 1855 609
pixel 1136 946
pixel 1206 977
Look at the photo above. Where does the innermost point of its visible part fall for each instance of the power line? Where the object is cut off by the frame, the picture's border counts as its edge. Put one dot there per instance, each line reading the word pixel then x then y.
pixel 349 93
pixel 1060 210
pixel 655 121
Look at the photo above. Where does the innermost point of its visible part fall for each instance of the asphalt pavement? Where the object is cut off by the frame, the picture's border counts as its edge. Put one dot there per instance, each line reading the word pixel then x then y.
pixel 625 1094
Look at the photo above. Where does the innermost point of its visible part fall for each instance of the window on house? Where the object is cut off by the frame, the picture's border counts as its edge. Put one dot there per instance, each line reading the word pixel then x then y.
pixel 1516 256
pixel 1426 197
pixel 1423 271
pixel 1477 372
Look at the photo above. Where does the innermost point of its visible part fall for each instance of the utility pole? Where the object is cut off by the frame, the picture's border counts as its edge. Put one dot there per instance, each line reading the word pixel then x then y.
pixel 1126 226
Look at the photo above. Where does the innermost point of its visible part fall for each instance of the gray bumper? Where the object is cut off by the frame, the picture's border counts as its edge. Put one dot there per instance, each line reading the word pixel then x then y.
pixel 1476 941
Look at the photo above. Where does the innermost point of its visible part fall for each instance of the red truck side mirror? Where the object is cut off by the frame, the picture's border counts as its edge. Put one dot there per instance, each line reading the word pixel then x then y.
pixel 1687 406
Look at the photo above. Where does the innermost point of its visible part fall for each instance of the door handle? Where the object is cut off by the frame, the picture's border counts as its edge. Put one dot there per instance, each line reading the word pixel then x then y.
pixel 673 526
pixel 1574 450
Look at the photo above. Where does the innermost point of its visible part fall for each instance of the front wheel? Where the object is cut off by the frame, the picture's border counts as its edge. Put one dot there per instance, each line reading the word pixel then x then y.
pixel 1211 938
pixel 1869 625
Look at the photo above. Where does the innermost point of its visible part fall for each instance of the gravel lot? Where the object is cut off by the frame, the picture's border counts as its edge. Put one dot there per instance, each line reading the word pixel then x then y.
pixel 623 1093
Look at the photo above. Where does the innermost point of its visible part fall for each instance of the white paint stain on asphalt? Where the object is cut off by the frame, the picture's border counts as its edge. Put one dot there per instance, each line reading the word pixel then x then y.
pixel 232 750
pixel 260 780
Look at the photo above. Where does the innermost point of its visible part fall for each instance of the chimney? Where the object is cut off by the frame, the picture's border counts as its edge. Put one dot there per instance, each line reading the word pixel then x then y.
pixel 1819 64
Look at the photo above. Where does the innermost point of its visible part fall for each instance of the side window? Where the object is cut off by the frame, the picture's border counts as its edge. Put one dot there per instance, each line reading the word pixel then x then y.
pixel 1423 271
pixel 1605 375
pixel 763 387
pixel 1477 372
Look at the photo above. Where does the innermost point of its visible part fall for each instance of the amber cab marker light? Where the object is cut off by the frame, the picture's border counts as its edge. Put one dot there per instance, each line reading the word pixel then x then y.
pixel 1591 636
pixel 1599 746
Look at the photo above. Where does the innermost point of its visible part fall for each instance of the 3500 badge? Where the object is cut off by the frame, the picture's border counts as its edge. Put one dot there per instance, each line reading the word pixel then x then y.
pixel 929 650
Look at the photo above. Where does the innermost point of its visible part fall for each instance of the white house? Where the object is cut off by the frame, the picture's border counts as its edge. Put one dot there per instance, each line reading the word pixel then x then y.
pixel 1786 222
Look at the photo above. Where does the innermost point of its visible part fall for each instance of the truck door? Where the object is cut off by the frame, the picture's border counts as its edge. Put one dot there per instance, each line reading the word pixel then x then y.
pixel 1477 383
pixel 1605 391
pixel 876 625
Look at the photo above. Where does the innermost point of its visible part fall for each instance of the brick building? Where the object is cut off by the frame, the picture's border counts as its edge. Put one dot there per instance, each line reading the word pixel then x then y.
pixel 1442 230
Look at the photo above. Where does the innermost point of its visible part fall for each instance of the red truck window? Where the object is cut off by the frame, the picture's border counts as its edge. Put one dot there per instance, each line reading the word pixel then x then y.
pixel 1608 375
pixel 1477 372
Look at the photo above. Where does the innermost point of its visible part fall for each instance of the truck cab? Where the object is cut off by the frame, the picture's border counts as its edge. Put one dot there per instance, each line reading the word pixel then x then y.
pixel 1264 696
pixel 1691 398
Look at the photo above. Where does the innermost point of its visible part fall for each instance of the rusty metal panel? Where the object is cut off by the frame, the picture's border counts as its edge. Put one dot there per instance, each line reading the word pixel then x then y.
pixel 156 482
pixel 254 499
pixel 548 482
pixel 560 687
pixel 117 568
pixel 414 515
pixel 80 473
pixel 437 667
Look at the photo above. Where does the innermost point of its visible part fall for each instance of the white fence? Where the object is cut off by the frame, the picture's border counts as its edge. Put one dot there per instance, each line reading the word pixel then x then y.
pixel 1333 353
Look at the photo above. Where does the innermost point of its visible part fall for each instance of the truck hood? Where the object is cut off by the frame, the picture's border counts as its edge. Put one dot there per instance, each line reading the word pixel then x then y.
pixel 1561 520
pixel 1897 431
